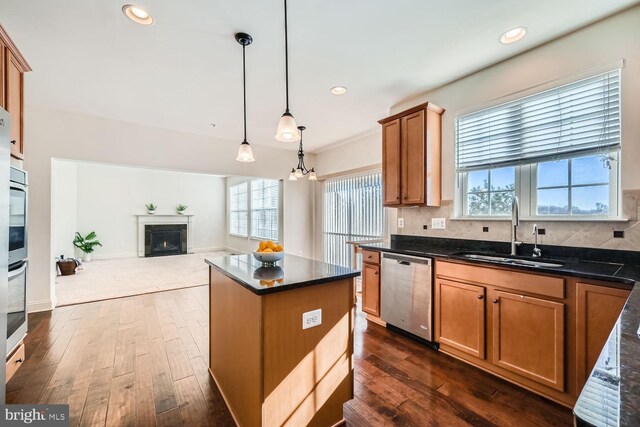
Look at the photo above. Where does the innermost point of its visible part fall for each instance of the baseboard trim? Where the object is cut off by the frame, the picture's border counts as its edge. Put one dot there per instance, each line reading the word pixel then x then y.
pixel 43 305
pixel 210 249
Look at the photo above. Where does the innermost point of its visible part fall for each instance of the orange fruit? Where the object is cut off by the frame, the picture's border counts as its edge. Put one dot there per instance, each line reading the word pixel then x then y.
pixel 262 246
pixel 278 248
pixel 271 245
pixel 268 250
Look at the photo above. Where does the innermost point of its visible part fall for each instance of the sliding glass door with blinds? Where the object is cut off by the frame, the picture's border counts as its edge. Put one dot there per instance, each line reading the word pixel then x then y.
pixel 557 150
pixel 352 212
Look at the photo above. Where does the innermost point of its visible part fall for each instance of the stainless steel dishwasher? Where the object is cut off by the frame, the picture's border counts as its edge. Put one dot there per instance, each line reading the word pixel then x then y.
pixel 406 294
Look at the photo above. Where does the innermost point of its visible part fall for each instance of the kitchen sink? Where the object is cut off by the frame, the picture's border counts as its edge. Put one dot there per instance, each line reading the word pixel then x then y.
pixel 508 261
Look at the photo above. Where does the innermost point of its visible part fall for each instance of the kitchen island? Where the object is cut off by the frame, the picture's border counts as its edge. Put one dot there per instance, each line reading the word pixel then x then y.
pixel 281 339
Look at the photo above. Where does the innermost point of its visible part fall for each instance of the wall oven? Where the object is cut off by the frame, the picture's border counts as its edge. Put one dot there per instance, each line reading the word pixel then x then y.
pixel 16 305
pixel 17 216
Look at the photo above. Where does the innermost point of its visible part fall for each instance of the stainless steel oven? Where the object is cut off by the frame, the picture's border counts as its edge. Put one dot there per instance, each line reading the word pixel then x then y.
pixel 17 216
pixel 16 305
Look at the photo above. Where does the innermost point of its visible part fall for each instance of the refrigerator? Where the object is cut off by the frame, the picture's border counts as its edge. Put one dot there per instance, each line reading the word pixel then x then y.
pixel 5 153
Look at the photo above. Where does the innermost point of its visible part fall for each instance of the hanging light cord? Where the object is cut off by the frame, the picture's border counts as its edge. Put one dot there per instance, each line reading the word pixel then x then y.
pixel 286 55
pixel 244 89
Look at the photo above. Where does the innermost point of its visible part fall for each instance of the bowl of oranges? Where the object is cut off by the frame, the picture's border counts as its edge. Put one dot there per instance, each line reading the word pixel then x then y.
pixel 268 252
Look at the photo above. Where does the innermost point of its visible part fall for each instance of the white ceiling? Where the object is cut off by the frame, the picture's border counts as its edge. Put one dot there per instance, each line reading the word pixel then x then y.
pixel 184 71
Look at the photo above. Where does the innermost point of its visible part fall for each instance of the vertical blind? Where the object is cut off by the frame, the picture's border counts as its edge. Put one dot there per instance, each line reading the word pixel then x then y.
pixel 575 118
pixel 352 212
pixel 265 197
pixel 238 209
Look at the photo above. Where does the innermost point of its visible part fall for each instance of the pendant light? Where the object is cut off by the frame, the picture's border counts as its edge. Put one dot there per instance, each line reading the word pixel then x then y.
pixel 287 128
pixel 301 170
pixel 245 154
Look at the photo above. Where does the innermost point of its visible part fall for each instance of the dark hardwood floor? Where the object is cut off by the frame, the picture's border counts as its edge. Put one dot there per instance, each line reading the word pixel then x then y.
pixel 143 361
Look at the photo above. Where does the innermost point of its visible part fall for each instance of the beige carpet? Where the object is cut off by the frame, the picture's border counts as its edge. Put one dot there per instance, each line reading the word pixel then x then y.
pixel 114 278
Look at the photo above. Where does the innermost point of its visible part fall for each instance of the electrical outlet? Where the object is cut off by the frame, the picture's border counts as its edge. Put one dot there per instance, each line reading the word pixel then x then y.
pixel 485 229
pixel 312 319
pixel 618 234
pixel 400 222
pixel 438 223
pixel 299 253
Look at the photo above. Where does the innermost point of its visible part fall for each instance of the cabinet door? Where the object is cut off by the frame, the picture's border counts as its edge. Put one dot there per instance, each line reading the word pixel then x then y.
pixel 598 309
pixel 391 162
pixel 414 179
pixel 14 103
pixel 528 337
pixel 371 289
pixel 3 53
pixel 460 316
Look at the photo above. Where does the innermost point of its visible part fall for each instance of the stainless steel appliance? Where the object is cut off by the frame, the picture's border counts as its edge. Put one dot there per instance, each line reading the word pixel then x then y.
pixel 4 236
pixel 406 294
pixel 16 305
pixel 17 216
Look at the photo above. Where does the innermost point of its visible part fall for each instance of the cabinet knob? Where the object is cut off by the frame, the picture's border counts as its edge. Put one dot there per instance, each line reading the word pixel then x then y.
pixel 405 197
pixel 495 301
pixel 375 272
pixel 20 360
pixel 14 142
pixel 398 198
pixel 480 296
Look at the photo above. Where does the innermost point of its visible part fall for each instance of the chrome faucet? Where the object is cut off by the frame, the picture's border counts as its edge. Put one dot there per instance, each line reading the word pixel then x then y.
pixel 515 222
pixel 537 252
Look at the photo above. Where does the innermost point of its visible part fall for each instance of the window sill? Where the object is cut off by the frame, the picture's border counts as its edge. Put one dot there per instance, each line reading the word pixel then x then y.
pixel 541 219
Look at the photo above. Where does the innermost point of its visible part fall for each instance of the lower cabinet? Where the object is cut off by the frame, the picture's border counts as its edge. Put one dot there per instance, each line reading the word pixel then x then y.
pixel 528 337
pixel 598 308
pixel 371 289
pixel 460 311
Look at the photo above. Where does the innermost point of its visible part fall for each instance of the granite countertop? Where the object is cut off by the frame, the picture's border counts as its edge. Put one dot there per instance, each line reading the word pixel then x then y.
pixel 611 396
pixel 291 273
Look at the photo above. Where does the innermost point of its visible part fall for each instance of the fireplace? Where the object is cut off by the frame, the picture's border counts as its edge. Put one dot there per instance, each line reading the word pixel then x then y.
pixel 165 239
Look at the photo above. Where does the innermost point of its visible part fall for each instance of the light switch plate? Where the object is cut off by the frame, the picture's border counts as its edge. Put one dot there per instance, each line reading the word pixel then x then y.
pixel 438 223
pixel 312 319
pixel 400 222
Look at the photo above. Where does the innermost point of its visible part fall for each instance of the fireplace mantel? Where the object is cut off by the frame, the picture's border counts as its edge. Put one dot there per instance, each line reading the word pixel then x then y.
pixel 157 219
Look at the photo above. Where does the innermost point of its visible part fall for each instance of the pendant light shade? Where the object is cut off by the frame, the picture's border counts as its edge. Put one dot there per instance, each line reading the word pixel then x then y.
pixel 292 176
pixel 312 175
pixel 245 153
pixel 287 128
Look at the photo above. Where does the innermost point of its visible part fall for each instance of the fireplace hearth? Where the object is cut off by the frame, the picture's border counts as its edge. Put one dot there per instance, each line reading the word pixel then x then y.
pixel 165 239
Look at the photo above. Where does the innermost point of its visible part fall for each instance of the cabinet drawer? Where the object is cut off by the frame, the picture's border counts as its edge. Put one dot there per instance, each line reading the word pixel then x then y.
pixel 15 361
pixel 508 279
pixel 371 257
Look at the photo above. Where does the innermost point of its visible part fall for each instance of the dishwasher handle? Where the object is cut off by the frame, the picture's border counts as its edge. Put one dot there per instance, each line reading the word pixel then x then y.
pixel 406 260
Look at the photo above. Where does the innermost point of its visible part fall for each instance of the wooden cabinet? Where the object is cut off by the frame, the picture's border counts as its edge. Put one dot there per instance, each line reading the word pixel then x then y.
pixel 371 289
pixel 411 157
pixel 543 332
pixel 598 308
pixel 14 361
pixel 12 93
pixel 528 337
pixel 460 316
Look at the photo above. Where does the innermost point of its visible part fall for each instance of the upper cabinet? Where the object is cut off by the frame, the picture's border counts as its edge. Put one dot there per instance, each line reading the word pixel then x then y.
pixel 12 90
pixel 411 160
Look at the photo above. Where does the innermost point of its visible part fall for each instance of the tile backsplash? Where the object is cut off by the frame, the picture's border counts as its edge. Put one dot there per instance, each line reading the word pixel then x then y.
pixel 594 234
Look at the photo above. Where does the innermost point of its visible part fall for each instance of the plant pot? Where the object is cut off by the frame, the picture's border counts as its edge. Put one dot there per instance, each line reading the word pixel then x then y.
pixel 67 268
pixel 86 257
pixel 151 212
pixel 180 212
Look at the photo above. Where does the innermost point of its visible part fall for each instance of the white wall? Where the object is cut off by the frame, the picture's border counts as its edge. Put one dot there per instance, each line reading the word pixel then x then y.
pixel 108 197
pixel 358 152
pixel 53 134
pixel 64 207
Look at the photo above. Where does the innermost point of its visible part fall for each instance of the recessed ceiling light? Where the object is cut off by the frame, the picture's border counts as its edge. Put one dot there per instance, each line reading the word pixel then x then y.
pixel 338 90
pixel 513 35
pixel 137 14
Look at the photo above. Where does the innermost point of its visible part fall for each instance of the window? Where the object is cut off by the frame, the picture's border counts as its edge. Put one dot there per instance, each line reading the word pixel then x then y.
pixel 238 209
pixel 556 150
pixel 254 209
pixel 265 197
pixel 352 212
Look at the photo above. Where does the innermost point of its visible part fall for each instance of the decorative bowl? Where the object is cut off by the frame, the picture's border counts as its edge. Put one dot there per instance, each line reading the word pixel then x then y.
pixel 268 258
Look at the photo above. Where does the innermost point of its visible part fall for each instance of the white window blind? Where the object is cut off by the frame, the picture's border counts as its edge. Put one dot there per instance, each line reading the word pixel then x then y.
pixel 238 209
pixel 577 118
pixel 265 196
pixel 352 212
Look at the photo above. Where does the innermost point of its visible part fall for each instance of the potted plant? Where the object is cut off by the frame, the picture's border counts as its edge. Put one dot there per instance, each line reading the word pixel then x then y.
pixel 151 208
pixel 181 209
pixel 86 244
